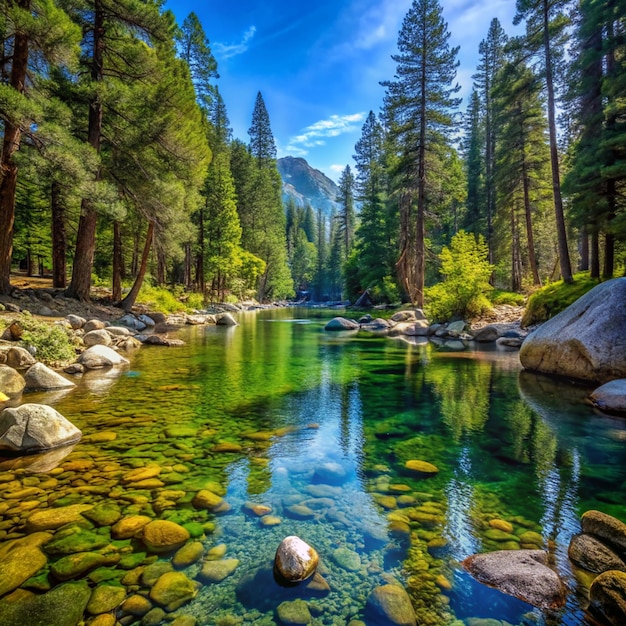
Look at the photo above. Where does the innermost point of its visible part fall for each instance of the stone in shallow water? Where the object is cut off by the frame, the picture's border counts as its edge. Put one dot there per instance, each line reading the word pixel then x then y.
pixel 74 565
pixel 188 554
pixel 63 606
pixel 347 559
pixel 294 613
pixel 172 590
pixel 295 560
pixel 269 520
pixel 164 536
pixel 300 511
pixel 128 527
pixel 611 397
pixel 391 603
pixel 421 467
pixel 136 605
pixel 105 598
pixel 76 539
pixel 607 528
pixel 217 571
pixel 608 597
pixel 18 565
pixel 50 519
pixel 591 554
pixel 522 574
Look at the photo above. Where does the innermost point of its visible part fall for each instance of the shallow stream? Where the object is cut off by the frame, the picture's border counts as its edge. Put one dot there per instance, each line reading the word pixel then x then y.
pixel 319 426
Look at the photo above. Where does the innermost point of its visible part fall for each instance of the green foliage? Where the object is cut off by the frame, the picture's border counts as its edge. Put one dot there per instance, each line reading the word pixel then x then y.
pixel 195 301
pixel 554 298
pixel 386 291
pixel 507 297
pixel 466 272
pixel 53 343
pixel 160 299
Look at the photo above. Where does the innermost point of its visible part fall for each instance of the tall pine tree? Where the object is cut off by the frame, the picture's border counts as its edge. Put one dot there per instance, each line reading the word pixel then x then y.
pixel 419 102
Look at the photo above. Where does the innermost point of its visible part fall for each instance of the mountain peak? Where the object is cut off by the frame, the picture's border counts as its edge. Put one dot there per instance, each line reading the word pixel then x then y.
pixel 305 184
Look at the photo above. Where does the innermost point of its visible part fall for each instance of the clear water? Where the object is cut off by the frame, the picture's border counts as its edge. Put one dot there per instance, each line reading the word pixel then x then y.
pixel 301 402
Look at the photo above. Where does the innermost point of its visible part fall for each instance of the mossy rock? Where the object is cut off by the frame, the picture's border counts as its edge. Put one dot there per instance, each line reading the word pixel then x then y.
pixel 294 613
pixel 347 559
pixel 62 606
pixel 105 514
pixel 421 467
pixel 151 573
pixel 74 565
pixel 188 554
pixel 494 534
pixel 164 536
pixel 132 560
pixel 18 565
pixel 172 590
pixel 105 598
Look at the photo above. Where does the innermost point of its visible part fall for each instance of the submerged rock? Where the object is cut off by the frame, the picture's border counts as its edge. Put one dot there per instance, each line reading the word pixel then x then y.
pixel 523 574
pixel 18 565
pixel 217 571
pixel 607 596
pixel 35 427
pixel 591 554
pixel 421 467
pixel 392 604
pixel 611 397
pixel 585 341
pixel 294 613
pixel 63 606
pixel 164 536
pixel 172 590
pixel 607 528
pixel 295 560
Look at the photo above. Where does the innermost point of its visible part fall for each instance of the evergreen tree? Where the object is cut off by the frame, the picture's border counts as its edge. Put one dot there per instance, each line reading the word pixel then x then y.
pixel 491 52
pixel 522 158
pixel 308 223
pixel 474 165
pixel 31 30
pixel 336 259
pixel 262 145
pixel 346 216
pixel 195 49
pixel 545 24
pixel 320 280
pixel 419 103
pixel 372 263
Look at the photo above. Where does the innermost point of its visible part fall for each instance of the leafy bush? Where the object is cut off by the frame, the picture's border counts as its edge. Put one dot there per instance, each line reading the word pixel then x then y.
pixel 507 297
pixel 195 301
pixel 159 299
pixel 53 343
pixel 555 297
pixel 466 273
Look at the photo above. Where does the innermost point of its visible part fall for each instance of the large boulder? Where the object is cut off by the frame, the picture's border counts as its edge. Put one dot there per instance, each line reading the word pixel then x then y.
pixel 20 358
pixel 523 574
pixel 101 356
pixel 40 376
pixel 607 528
pixel 591 554
pixel 585 341
pixel 35 427
pixel 99 337
pixel 226 319
pixel 295 560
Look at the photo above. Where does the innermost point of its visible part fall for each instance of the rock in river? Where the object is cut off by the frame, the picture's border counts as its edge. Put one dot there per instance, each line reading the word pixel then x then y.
pixel 392 604
pixel 608 597
pixel 295 560
pixel 585 341
pixel 611 397
pixel 41 377
pixel 523 574
pixel 35 427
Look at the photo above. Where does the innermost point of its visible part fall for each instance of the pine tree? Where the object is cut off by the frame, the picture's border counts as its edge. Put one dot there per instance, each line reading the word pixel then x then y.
pixel 346 216
pixel 262 145
pixel 419 103
pixel 372 263
pixel 195 49
pixel 491 52
pixel 522 158
pixel 474 165
pixel 42 31
pixel 545 24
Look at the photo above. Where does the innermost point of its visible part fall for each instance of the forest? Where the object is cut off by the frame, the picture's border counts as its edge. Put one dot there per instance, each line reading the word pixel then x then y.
pixel 119 168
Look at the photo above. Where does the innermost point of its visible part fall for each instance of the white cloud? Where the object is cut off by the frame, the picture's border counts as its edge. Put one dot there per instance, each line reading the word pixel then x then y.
pixel 226 51
pixel 315 135
pixel 338 169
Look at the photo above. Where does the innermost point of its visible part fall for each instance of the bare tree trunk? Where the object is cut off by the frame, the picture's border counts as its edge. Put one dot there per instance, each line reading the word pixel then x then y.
pixel 609 256
pixel 583 246
pixel 566 267
pixel 86 236
pixel 420 234
pixel 161 268
pixel 129 301
pixel 532 257
pixel 8 168
pixel 59 238
pixel 117 262
pixel 595 254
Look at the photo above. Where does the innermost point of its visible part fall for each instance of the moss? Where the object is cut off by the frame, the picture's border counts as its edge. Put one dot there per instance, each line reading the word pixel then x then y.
pixel 555 297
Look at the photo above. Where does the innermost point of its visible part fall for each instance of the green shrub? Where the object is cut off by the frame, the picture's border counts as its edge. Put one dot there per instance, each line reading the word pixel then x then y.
pixel 159 299
pixel 555 297
pixel 466 273
pixel 195 301
pixel 507 297
pixel 53 343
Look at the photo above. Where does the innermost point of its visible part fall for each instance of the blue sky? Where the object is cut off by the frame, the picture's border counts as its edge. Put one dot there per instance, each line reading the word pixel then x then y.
pixel 319 64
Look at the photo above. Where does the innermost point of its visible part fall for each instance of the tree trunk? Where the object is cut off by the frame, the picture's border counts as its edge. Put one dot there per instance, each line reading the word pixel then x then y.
pixel 609 256
pixel 59 238
pixel 583 247
pixel 86 235
pixel 129 301
pixel 566 268
pixel 420 234
pixel 161 268
pixel 117 262
pixel 532 257
pixel 200 282
pixel 8 168
pixel 595 254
